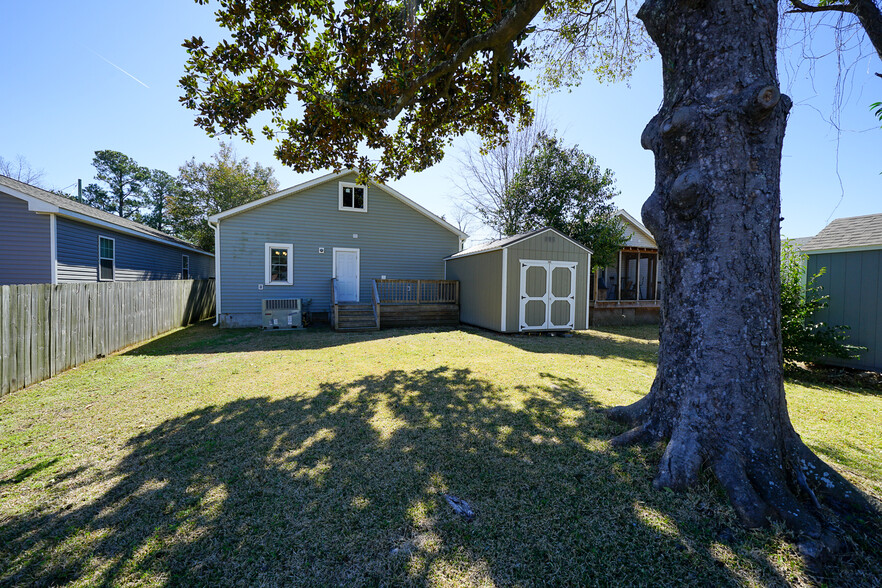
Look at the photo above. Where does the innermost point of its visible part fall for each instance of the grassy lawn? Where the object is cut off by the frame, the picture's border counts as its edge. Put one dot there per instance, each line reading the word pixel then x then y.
pixel 237 457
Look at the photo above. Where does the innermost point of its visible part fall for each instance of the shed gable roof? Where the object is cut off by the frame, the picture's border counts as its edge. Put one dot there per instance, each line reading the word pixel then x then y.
pixel 293 190
pixel 506 242
pixel 40 200
pixel 850 232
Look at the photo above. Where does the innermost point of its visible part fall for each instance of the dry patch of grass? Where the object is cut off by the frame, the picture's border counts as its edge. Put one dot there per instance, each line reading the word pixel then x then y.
pixel 237 457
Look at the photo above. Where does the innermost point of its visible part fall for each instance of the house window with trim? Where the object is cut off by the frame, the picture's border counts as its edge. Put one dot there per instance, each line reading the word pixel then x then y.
pixel 353 197
pixel 106 252
pixel 185 267
pixel 279 261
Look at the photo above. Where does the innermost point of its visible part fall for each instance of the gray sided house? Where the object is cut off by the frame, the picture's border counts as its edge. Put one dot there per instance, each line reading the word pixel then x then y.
pixel 49 239
pixel 535 281
pixel 629 291
pixel 851 251
pixel 291 244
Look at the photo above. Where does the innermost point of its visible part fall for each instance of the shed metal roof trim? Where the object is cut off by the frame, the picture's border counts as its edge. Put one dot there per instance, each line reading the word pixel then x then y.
pixel 509 241
pixel 854 233
pixel 329 178
pixel 43 201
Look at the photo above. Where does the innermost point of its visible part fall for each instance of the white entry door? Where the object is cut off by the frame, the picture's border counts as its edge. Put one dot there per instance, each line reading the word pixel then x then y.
pixel 548 295
pixel 346 270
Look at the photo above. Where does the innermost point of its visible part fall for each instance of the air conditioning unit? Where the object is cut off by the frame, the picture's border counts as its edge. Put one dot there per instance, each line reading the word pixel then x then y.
pixel 282 313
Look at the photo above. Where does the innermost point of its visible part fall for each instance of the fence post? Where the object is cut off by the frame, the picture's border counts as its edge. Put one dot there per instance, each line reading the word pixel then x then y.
pixel 5 347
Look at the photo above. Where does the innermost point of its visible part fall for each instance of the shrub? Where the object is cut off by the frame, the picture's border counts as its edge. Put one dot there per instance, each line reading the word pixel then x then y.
pixel 804 340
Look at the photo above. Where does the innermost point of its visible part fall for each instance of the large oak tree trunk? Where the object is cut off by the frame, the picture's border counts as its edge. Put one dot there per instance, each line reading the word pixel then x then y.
pixel 718 396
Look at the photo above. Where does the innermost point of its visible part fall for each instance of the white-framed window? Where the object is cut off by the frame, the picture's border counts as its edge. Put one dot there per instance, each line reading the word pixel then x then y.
pixel 185 267
pixel 353 197
pixel 106 258
pixel 279 263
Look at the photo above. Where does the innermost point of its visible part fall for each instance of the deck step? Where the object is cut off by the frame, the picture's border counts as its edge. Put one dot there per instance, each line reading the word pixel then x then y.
pixel 356 317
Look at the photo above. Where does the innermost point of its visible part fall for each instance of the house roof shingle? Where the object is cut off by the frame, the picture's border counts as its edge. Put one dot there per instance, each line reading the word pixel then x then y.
pixel 86 210
pixel 842 233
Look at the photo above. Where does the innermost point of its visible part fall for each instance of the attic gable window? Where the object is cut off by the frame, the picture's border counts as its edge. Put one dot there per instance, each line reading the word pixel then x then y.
pixel 353 197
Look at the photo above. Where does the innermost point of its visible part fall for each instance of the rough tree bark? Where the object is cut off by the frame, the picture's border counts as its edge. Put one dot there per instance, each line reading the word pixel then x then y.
pixel 718 396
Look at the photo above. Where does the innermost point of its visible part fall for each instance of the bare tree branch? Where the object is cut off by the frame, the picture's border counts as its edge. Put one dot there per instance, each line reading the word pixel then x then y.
pixel 20 169
pixel 867 12
pixel 802 7
pixel 485 175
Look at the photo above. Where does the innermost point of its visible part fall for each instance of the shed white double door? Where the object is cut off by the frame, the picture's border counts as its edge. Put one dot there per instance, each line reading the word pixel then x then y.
pixel 548 295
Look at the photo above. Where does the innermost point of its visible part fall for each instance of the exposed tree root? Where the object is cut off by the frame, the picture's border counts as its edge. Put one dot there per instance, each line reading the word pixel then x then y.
pixel 681 461
pixel 630 414
pixel 787 483
pixel 826 482
pixel 639 434
pixel 729 470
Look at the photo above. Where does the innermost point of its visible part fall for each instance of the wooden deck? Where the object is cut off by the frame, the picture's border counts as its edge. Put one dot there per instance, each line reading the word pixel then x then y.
pixel 419 315
pixel 605 313
pixel 399 303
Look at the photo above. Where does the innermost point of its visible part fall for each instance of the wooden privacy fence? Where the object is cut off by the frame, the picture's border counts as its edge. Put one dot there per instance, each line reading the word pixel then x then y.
pixel 46 329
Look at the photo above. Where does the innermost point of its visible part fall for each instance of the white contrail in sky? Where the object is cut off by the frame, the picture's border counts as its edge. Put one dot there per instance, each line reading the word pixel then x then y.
pixel 120 69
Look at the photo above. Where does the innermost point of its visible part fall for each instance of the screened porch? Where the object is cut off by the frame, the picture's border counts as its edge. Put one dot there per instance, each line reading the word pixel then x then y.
pixel 628 291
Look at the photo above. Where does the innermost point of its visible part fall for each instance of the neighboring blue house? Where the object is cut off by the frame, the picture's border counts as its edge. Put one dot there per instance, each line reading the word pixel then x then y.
pixel 49 239
pixel 292 243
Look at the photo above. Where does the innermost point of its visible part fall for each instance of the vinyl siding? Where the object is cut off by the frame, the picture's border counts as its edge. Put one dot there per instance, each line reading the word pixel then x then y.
pixel 135 259
pixel 852 281
pixel 480 277
pixel 636 238
pixel 480 288
pixel 393 240
pixel 546 247
pixel 25 252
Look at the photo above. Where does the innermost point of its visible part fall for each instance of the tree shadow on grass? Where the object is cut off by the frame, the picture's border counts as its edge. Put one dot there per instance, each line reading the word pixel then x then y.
pixel 345 487
pixel 203 338
pixel 846 380
pixel 594 343
pixel 26 473
pixel 625 342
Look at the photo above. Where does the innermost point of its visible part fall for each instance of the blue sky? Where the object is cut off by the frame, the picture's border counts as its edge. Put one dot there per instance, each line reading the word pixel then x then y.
pixel 92 75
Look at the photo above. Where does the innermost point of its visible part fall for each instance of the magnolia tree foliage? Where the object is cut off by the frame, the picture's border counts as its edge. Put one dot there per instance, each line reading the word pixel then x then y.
pixel 563 187
pixel 397 78
pixel 802 339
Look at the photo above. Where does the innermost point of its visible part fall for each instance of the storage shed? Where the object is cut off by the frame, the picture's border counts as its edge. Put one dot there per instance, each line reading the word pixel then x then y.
pixel 535 281
pixel 851 251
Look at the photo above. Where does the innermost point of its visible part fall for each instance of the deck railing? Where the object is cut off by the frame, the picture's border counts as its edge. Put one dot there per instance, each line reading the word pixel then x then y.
pixel 334 307
pixel 417 291
pixel 375 300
